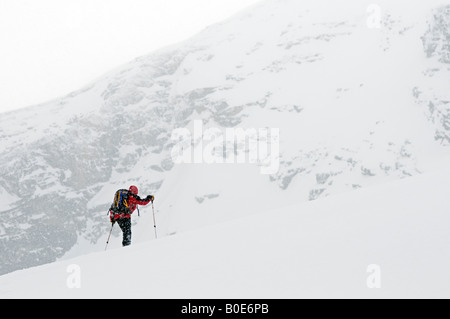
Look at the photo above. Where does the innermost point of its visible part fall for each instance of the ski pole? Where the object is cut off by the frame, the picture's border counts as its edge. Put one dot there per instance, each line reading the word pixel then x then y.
pixel 107 242
pixel 154 221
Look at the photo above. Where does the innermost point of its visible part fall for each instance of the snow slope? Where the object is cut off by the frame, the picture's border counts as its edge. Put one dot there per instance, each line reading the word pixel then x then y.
pixel 358 104
pixel 319 249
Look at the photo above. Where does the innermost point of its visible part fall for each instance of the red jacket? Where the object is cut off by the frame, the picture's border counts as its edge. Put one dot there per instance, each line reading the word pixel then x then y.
pixel 132 200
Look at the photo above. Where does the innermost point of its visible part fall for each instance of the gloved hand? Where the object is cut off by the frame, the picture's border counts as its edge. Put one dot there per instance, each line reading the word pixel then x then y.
pixel 111 219
pixel 150 198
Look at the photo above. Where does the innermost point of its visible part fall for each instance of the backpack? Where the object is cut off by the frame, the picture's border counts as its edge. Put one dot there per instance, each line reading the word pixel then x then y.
pixel 120 203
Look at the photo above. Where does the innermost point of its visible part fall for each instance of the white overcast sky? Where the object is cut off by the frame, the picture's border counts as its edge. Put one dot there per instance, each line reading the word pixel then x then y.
pixel 49 48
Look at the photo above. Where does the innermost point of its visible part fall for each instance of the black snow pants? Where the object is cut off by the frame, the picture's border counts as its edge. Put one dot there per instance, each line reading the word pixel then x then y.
pixel 125 225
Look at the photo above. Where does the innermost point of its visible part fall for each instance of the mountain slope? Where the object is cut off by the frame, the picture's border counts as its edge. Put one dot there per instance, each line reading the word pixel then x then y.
pixel 356 105
pixel 329 248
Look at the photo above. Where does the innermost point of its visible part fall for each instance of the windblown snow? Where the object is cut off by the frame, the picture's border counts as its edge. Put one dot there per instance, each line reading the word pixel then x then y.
pixel 386 241
pixel 359 95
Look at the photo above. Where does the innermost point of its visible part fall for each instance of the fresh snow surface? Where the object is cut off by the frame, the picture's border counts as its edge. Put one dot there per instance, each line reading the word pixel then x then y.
pixel 364 118
pixel 329 248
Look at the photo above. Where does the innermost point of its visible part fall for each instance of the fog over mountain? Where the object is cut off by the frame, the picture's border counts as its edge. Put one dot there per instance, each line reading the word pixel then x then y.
pixel 359 93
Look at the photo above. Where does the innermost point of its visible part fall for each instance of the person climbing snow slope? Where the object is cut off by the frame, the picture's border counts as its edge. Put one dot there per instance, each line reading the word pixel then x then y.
pixel 125 203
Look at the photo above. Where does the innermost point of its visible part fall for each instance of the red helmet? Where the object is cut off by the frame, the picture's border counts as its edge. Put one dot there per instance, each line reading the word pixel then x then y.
pixel 134 190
